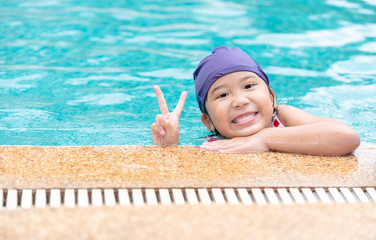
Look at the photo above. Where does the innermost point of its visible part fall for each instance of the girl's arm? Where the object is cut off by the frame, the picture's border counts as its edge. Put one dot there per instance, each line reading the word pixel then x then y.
pixel 310 134
pixel 165 130
pixel 304 133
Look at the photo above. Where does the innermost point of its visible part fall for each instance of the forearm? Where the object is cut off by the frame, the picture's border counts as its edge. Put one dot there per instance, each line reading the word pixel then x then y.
pixel 322 138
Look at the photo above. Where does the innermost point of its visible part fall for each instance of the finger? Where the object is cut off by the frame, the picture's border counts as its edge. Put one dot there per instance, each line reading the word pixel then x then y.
pixel 179 107
pixel 232 149
pixel 219 145
pixel 161 100
pixel 240 150
pixel 157 140
pixel 154 128
pixel 221 149
pixel 166 124
pixel 154 131
pixel 159 123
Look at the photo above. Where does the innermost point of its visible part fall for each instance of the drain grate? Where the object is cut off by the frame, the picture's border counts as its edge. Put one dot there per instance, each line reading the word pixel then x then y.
pixel 41 198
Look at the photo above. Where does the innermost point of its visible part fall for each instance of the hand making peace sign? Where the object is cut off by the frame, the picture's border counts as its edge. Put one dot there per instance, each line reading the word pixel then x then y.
pixel 165 130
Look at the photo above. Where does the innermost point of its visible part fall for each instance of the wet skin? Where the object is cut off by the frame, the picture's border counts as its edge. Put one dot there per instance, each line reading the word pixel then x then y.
pixel 238 104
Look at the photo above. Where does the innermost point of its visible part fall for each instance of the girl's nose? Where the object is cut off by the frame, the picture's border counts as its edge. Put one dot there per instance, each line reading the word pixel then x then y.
pixel 240 101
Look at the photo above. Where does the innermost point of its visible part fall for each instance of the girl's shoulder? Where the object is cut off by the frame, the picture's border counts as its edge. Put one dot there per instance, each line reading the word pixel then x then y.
pixel 292 116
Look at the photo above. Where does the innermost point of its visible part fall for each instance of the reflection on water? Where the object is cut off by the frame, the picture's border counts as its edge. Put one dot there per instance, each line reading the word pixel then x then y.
pixel 357 68
pixel 318 38
pixel 81 72
pixel 346 102
pixel 103 99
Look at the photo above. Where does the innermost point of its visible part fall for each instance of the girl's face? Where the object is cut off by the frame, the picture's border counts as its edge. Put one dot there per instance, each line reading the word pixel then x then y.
pixel 238 104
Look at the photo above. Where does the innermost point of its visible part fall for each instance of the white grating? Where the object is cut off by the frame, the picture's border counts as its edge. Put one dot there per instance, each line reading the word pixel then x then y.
pixel 137 197
pixel 336 195
pixel 27 198
pixel 204 196
pixel 191 196
pixel 178 196
pixel 55 198
pixel 285 196
pixel 245 197
pixel 323 196
pixel 69 198
pixel 231 196
pixel 297 195
pixel 218 196
pixel 164 196
pixel 151 197
pixel 41 198
pixel 109 197
pixel 96 197
pixel 123 197
pixel 258 196
pixel 83 198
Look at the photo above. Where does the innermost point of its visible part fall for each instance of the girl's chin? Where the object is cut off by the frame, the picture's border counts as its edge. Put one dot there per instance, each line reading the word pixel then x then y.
pixel 243 133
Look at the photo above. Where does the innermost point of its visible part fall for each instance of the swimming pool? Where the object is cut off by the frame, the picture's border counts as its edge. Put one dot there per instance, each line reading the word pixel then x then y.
pixel 81 72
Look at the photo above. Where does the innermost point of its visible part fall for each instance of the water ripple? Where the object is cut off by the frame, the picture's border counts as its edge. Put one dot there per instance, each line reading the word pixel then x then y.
pixel 15 118
pixel 179 41
pixel 18 82
pixel 292 71
pixel 354 69
pixel 23 67
pixel 319 38
pixel 175 73
pixel 40 3
pixel 370 2
pixel 103 99
pixel 368 47
pixel 342 3
pixel 121 78
pixel 350 5
pixel 354 104
pixel 357 68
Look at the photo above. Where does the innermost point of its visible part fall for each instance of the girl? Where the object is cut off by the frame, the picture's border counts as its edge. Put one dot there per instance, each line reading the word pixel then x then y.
pixel 240 108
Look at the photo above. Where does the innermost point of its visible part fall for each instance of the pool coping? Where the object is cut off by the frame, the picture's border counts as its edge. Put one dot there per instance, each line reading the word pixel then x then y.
pixel 178 167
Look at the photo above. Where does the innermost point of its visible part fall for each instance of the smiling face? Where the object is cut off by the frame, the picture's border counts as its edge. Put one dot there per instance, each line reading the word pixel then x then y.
pixel 238 104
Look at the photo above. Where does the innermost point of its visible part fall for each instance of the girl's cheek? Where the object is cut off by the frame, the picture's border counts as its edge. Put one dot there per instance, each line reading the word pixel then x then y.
pixel 219 115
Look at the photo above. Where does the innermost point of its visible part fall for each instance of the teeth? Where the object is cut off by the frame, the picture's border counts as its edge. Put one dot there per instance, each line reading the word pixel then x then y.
pixel 243 118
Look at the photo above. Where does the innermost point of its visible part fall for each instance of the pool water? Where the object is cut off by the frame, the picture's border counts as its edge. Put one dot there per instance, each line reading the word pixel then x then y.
pixel 81 72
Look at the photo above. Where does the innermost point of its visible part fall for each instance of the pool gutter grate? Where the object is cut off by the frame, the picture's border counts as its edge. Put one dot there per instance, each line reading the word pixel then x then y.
pixel 41 198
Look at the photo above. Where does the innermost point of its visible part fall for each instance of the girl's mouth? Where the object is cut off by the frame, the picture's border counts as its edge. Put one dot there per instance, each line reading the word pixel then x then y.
pixel 244 118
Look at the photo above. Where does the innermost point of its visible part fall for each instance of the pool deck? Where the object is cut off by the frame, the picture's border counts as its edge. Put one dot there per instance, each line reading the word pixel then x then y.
pixel 308 221
pixel 168 167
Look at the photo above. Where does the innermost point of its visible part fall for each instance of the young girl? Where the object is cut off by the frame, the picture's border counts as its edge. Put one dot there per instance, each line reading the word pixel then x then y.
pixel 240 108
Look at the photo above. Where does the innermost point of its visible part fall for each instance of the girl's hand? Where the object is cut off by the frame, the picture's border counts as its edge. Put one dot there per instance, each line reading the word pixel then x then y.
pixel 165 130
pixel 254 143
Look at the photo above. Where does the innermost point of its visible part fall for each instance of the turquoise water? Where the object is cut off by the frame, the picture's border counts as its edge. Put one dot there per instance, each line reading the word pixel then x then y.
pixel 81 72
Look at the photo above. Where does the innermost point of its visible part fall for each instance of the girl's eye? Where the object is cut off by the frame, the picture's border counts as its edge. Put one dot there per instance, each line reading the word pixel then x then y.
pixel 248 86
pixel 222 95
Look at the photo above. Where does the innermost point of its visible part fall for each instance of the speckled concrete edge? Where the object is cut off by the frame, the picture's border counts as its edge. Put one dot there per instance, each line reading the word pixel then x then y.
pixel 307 221
pixel 184 166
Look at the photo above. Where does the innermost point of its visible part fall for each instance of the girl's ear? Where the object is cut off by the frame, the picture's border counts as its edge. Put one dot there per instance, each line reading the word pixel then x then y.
pixel 207 122
pixel 272 96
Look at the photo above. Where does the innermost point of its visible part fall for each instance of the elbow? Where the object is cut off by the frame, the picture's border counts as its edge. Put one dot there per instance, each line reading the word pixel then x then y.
pixel 349 140
pixel 353 141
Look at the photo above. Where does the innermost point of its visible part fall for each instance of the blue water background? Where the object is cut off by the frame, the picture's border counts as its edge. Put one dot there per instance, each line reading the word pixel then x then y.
pixel 81 72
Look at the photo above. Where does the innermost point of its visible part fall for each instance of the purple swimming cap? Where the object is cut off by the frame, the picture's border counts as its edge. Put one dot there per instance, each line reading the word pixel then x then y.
pixel 222 61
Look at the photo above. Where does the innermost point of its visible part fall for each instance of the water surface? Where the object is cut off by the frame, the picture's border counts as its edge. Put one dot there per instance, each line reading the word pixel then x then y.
pixel 81 72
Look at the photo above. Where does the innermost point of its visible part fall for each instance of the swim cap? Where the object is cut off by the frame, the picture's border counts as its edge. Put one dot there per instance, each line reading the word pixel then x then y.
pixel 222 61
